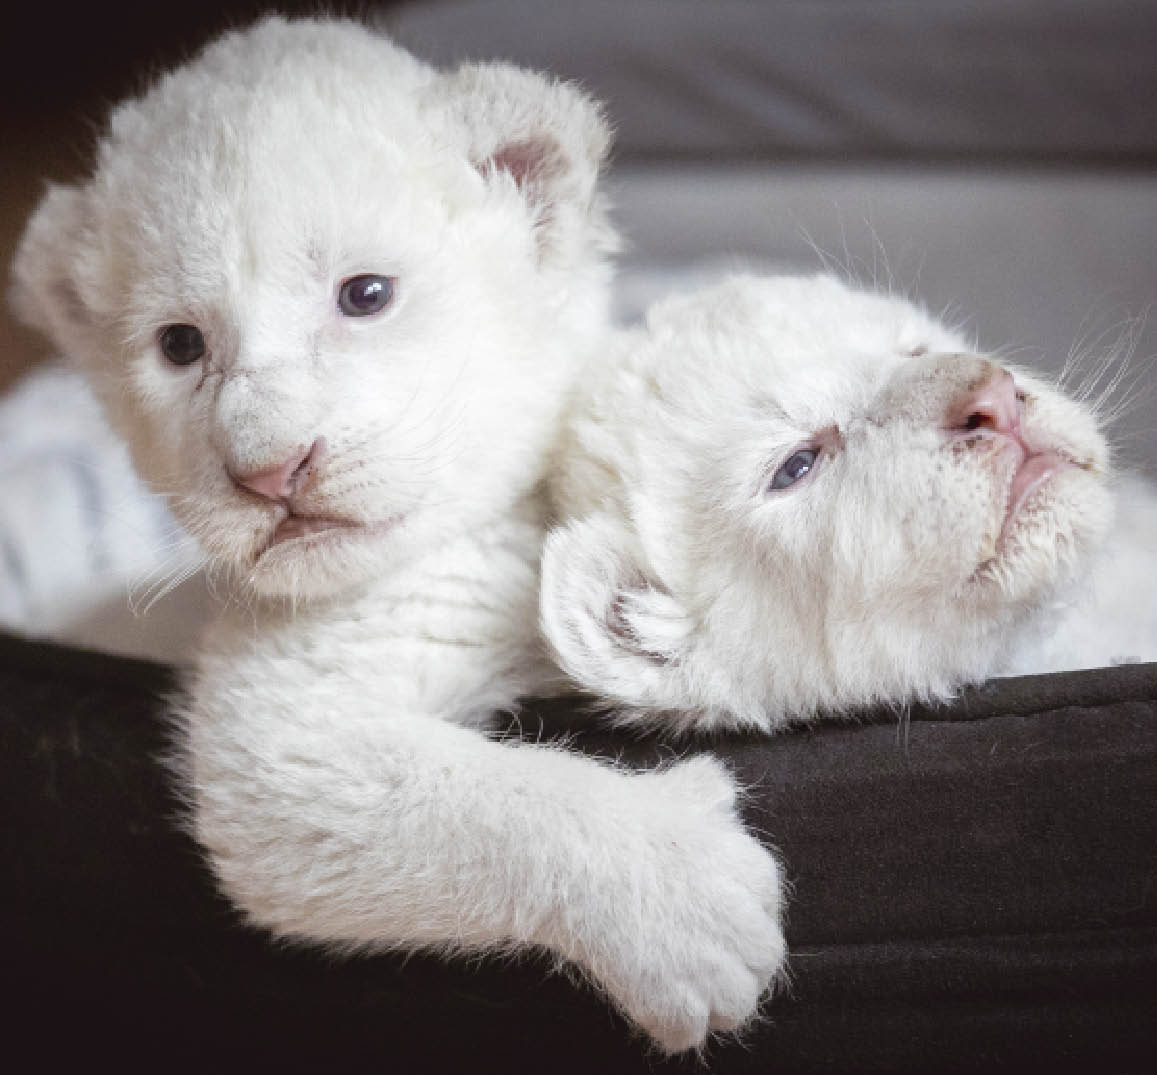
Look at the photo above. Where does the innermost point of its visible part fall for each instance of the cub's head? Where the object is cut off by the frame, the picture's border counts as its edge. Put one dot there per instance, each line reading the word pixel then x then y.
pixel 792 496
pixel 331 297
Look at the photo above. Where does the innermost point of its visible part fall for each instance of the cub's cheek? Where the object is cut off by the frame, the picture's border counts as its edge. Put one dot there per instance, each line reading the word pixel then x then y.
pixel 953 510
pixel 964 501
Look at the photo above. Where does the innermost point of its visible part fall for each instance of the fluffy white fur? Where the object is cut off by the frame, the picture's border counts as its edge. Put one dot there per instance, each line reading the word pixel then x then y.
pixel 336 763
pixel 894 569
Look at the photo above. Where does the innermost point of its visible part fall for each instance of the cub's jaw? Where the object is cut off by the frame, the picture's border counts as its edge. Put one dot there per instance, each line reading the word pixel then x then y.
pixel 1031 480
pixel 1057 510
pixel 319 531
pixel 1045 480
pixel 1032 472
pixel 307 554
pixel 315 546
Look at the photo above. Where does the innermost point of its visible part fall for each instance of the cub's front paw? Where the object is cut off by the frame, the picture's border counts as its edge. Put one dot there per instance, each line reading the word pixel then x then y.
pixel 705 940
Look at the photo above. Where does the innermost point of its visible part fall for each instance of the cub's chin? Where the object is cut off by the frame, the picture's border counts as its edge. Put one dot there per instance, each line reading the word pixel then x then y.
pixel 1047 537
pixel 301 556
pixel 310 557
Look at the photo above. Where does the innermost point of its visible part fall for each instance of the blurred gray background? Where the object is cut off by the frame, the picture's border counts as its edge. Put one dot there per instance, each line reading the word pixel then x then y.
pixel 995 159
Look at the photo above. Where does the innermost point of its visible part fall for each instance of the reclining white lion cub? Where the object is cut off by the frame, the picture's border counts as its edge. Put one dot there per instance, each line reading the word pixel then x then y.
pixel 335 301
pixel 789 497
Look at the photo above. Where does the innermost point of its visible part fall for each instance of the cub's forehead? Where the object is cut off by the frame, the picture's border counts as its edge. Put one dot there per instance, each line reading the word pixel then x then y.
pixel 258 86
pixel 792 344
pixel 282 120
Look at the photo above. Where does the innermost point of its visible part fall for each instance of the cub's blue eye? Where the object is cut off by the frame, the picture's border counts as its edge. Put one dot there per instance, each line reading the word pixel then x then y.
pixel 361 296
pixel 182 345
pixel 797 465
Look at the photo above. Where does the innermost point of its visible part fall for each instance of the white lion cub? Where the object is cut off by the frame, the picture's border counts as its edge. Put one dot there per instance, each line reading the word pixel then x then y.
pixel 334 300
pixel 790 497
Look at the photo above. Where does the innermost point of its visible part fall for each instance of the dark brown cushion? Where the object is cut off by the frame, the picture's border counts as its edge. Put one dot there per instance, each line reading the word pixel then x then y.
pixel 973 888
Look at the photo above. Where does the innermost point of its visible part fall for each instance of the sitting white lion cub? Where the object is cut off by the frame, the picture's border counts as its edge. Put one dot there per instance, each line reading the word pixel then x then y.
pixel 334 301
pixel 791 497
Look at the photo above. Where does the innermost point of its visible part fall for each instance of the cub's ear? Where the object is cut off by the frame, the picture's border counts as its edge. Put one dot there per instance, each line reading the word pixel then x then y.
pixel 44 293
pixel 548 138
pixel 613 628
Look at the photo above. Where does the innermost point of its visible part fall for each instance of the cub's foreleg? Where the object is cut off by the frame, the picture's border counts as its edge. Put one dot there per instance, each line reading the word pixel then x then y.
pixel 368 828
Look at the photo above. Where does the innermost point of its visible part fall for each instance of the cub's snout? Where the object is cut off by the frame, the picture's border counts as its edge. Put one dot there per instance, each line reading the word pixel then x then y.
pixel 284 479
pixel 963 394
pixel 992 405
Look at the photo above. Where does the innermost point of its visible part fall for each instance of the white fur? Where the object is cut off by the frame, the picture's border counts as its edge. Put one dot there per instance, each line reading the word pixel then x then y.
pixel 1110 617
pixel 679 582
pixel 333 750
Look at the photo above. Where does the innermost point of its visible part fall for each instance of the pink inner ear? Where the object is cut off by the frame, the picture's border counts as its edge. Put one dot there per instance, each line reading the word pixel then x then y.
pixel 532 163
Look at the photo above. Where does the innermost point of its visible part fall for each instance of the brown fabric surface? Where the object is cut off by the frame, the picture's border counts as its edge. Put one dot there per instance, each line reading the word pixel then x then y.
pixel 972 889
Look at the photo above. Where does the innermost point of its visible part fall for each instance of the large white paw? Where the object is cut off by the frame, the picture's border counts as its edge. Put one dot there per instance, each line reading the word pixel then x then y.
pixel 703 941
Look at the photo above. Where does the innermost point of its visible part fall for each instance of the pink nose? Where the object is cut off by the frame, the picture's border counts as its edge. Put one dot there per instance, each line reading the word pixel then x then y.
pixel 994 405
pixel 281 481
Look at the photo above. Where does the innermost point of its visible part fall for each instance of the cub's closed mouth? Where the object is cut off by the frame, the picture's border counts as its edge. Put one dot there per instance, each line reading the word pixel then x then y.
pixel 299 527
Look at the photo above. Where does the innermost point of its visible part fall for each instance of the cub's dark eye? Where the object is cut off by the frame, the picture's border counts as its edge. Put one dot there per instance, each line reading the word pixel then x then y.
pixel 361 296
pixel 182 345
pixel 797 465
